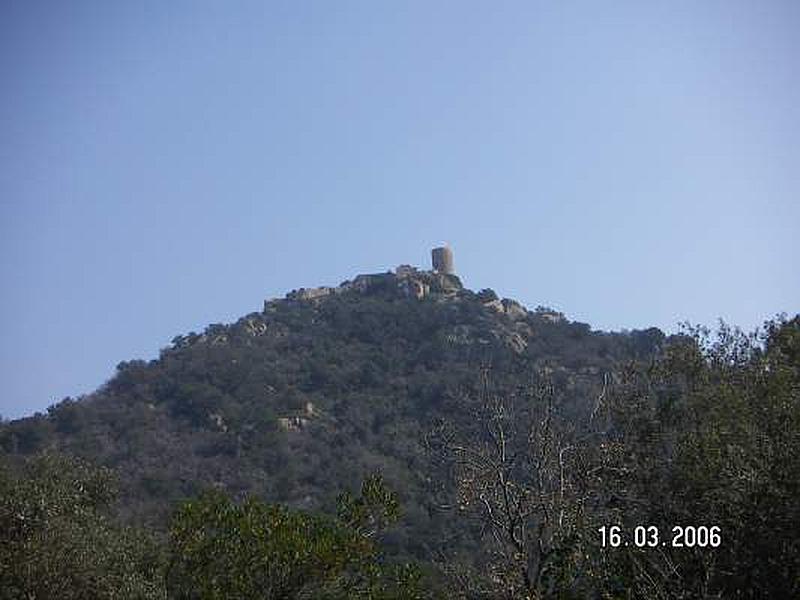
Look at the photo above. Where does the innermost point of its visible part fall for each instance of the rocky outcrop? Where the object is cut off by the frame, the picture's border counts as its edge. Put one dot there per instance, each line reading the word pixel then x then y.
pixel 511 308
pixel 310 293
pixel 405 282
pixel 413 288
pixel 292 423
pixel 512 328
pixel 549 315
pixel 299 421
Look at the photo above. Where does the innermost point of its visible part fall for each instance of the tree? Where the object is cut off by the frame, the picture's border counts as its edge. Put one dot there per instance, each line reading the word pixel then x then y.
pixel 529 477
pixel 220 549
pixel 57 541
pixel 704 436
pixel 710 439
pixel 737 457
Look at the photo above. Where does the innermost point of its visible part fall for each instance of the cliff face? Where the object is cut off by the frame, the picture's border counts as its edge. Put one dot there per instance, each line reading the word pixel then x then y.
pixel 325 385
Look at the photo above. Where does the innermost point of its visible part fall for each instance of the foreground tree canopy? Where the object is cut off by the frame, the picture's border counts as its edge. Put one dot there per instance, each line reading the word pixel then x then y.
pixel 220 549
pixel 57 542
pixel 706 437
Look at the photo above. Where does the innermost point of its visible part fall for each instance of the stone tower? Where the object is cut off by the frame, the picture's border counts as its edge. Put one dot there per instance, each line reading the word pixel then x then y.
pixel 442 259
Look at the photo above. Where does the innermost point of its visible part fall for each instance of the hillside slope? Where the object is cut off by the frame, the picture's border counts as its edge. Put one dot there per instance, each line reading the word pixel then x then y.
pixel 303 399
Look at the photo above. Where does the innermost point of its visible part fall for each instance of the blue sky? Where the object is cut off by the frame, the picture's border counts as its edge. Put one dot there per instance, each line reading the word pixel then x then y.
pixel 165 165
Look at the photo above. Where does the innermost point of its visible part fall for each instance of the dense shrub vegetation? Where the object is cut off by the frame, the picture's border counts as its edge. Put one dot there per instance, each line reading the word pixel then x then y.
pixel 57 542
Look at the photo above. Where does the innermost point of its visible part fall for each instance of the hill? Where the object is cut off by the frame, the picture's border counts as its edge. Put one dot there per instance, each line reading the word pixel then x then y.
pixel 303 399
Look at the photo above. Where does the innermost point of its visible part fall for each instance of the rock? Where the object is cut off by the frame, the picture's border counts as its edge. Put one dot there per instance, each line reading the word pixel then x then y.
pixel 514 309
pixel 310 293
pixel 495 305
pixel 413 288
pixel 406 282
pixel 218 421
pixel 292 423
pixel 405 271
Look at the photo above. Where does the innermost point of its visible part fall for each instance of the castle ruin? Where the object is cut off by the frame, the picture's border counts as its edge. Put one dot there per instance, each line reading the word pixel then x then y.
pixel 442 260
